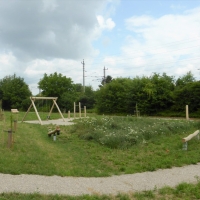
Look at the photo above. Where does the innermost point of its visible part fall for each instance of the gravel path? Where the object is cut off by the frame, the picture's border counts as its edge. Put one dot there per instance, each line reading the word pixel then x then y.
pixel 107 185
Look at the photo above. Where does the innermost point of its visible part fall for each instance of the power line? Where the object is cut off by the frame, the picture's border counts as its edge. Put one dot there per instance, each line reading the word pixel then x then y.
pixel 152 47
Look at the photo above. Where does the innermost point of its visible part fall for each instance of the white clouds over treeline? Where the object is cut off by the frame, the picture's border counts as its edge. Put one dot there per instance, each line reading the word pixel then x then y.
pixel 47 36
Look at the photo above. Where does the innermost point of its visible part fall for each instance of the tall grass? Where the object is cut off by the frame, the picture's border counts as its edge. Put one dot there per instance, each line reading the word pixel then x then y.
pixel 124 132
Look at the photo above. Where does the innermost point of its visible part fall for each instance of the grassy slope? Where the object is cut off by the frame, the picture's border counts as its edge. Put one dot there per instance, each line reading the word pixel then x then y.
pixel 34 153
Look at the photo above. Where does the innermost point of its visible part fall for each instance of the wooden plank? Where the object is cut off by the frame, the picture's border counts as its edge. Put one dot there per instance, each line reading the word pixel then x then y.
pixel 189 137
pixel 14 111
pixel 35 98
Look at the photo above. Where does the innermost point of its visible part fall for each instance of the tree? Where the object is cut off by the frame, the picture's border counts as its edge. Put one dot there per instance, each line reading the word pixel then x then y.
pixel 14 93
pixel 107 79
pixel 87 98
pixel 112 98
pixel 185 79
pixel 55 85
pixel 187 95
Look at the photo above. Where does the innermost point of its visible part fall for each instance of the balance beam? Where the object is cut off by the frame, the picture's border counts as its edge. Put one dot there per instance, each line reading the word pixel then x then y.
pixel 189 137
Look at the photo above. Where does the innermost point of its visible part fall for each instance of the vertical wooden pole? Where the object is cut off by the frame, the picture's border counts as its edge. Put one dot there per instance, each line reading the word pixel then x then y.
pixel 79 106
pixel 68 114
pixel 15 125
pixel 84 111
pixel 187 113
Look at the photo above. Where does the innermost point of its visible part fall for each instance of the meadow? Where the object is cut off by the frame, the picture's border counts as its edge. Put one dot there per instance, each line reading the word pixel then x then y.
pixel 98 146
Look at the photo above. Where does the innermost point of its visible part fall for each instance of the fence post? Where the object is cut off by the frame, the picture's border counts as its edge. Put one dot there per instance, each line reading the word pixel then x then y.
pixel 79 105
pixel 84 111
pixel 187 113
pixel 68 114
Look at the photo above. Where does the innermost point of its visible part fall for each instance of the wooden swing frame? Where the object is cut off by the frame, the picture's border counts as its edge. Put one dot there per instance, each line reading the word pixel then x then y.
pixel 54 99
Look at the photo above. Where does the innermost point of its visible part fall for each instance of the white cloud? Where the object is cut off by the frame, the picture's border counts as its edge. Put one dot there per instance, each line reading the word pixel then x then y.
pixel 107 24
pixel 138 21
pixel 170 43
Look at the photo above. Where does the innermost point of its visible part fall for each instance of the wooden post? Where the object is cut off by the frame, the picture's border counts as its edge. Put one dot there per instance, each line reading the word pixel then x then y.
pixel 15 125
pixel 74 110
pixel 84 111
pixel 68 114
pixel 187 113
pixel 79 106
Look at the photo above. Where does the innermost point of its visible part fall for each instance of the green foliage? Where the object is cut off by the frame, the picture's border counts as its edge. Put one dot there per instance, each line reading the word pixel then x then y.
pixel 187 95
pixel 55 85
pixel 153 95
pixel 107 79
pixel 87 98
pixel 185 79
pixel 14 93
pixel 112 98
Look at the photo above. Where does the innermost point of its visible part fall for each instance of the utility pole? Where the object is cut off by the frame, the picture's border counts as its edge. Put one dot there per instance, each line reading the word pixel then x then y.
pixel 83 76
pixel 104 75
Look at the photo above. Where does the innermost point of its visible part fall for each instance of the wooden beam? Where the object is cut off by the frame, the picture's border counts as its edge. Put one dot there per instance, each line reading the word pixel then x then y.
pixel 189 137
pixel 59 110
pixel 35 98
pixel 36 111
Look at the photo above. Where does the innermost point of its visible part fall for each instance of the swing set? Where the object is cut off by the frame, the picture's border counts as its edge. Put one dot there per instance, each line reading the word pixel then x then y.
pixel 33 99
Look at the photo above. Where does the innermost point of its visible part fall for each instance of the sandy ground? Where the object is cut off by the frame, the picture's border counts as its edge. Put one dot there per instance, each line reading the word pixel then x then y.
pixel 66 121
pixel 104 185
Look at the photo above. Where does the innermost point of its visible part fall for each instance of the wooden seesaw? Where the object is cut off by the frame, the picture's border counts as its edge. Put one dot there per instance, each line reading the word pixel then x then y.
pixel 54 132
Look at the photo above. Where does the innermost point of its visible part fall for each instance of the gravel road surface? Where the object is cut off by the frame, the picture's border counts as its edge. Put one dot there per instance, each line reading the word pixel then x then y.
pixel 104 185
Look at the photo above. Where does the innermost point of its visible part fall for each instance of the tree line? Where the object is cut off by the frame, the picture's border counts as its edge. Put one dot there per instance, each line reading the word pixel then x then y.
pixel 153 95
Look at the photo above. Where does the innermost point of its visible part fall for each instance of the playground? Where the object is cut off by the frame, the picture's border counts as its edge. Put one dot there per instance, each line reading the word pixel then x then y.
pixel 97 146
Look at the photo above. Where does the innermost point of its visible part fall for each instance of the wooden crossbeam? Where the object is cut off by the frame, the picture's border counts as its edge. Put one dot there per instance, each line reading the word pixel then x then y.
pixel 189 137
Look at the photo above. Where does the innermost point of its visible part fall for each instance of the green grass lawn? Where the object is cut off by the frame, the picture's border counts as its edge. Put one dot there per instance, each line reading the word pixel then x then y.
pixel 98 146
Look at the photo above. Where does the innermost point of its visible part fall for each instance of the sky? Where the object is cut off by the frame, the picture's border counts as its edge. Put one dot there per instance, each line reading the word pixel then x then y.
pixel 120 38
